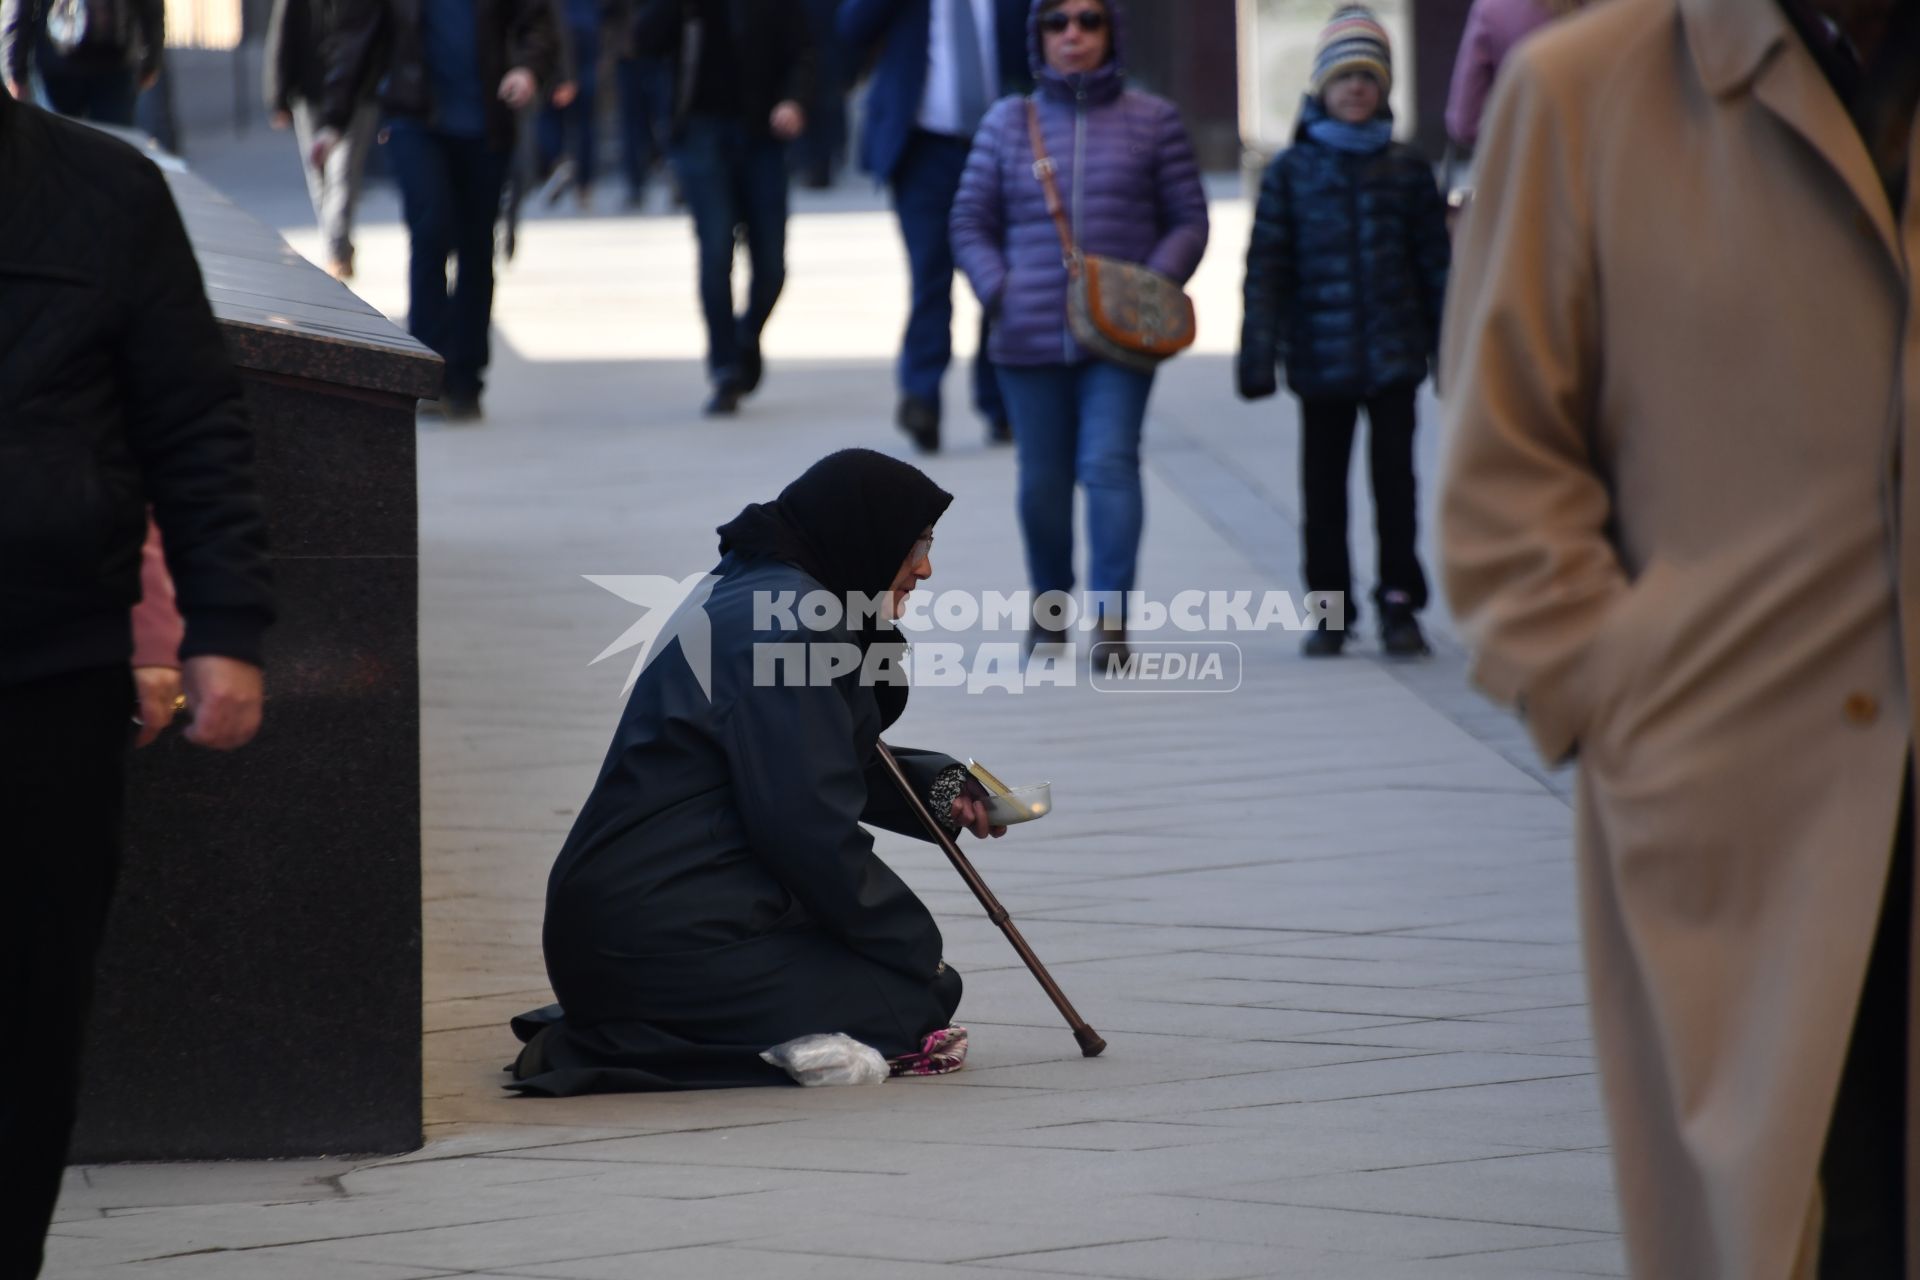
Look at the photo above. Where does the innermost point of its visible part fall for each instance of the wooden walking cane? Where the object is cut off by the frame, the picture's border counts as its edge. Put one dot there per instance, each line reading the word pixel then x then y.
pixel 1090 1042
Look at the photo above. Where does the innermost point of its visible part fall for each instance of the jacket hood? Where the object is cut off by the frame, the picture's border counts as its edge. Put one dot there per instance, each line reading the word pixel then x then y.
pixel 1103 83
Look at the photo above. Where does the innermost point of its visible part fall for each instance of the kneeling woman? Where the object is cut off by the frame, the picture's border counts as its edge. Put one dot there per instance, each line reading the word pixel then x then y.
pixel 718 894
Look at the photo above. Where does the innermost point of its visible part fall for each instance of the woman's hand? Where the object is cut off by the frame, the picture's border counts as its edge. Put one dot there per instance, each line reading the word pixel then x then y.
pixel 971 814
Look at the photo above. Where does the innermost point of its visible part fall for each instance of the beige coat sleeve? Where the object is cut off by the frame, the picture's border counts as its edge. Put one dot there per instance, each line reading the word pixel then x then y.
pixel 1529 567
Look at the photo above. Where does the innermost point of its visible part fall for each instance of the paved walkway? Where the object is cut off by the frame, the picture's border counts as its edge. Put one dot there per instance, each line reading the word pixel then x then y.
pixel 1325 921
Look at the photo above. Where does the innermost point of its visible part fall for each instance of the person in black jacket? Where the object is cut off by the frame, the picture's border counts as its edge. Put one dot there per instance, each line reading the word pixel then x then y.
pixel 101 77
pixel 115 396
pixel 1346 278
pixel 294 76
pixel 743 69
pixel 718 894
pixel 449 76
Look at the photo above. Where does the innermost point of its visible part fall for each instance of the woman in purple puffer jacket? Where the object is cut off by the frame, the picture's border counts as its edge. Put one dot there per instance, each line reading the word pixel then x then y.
pixel 1126 170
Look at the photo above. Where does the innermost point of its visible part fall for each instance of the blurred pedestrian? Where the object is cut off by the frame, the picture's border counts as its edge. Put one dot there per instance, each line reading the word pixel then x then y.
pixel 94 57
pixel 1493 28
pixel 568 133
pixel 938 65
pixel 1346 279
pixel 1681 539
pixel 743 70
pixel 1136 196
pixel 118 395
pixel 294 73
pixel 450 76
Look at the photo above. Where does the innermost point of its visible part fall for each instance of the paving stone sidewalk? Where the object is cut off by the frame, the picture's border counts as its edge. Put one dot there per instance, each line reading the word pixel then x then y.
pixel 1325 921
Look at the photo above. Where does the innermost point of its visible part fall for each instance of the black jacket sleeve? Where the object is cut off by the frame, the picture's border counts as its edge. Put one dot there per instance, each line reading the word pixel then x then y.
pixel 187 428
pixel 535 41
pixel 153 34
pixel 354 47
pixel 887 808
pixel 803 59
pixel 800 790
pixel 1268 288
pixel 658 27
pixel 19 28
pixel 286 27
pixel 1432 251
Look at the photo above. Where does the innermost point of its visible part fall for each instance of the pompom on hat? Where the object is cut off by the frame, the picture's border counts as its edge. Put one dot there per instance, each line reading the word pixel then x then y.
pixel 1353 40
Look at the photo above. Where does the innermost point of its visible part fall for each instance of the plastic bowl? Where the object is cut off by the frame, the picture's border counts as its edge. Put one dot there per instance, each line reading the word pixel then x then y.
pixel 1021 804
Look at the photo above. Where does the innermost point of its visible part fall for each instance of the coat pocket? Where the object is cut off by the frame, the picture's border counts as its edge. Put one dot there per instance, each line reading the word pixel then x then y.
pixel 1625 654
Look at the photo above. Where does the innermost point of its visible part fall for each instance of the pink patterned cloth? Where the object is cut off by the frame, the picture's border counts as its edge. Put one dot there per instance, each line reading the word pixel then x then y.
pixel 941 1053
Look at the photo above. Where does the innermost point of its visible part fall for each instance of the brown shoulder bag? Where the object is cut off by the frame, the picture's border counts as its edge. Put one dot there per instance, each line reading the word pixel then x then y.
pixel 1119 311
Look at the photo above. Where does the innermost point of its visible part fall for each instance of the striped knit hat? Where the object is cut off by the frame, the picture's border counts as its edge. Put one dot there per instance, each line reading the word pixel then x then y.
pixel 1353 40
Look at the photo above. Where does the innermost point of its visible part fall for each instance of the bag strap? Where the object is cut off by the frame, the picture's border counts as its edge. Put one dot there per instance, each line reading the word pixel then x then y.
pixel 1043 169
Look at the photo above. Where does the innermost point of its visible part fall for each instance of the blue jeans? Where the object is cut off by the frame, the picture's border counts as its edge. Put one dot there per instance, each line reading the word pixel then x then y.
pixel 734 180
pixel 924 185
pixel 1079 422
pixel 450 194
pixel 575 122
pixel 646 111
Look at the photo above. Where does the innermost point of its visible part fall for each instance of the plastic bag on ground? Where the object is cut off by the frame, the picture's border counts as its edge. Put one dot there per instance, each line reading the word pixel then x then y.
pixel 829 1059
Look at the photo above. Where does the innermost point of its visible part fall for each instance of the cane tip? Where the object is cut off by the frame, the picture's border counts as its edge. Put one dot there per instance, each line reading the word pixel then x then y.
pixel 1091 1045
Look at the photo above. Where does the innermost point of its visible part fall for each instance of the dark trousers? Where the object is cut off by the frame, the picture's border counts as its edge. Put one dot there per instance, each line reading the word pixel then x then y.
pixel 450 195
pixel 646 111
pixel 735 182
pixel 102 97
pixel 1326 448
pixel 576 122
pixel 1863 1169
pixel 924 185
pixel 63 751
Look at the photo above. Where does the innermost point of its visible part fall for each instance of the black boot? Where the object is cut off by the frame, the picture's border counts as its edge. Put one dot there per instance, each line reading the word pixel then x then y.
pixel 1324 642
pixel 1040 633
pixel 1400 633
pixel 920 419
pixel 1110 642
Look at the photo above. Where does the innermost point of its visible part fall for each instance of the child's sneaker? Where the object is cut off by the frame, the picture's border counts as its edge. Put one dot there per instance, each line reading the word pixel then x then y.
pixel 1400 633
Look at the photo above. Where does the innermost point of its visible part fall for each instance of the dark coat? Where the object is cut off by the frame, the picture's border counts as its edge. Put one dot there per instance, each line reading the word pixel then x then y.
pixel 115 393
pixel 1346 271
pixel 717 894
pixel 772 41
pixel 892 36
pixel 379 45
pixel 23 25
pixel 1127 173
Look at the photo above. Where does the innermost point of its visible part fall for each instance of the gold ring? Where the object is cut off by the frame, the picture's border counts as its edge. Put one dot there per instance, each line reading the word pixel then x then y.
pixel 179 703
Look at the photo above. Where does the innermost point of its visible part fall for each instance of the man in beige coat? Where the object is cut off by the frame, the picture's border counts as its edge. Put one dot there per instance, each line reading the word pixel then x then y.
pixel 1683 361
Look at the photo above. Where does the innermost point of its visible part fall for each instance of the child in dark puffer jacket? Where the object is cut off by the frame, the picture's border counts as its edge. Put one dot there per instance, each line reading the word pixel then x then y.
pixel 1346 276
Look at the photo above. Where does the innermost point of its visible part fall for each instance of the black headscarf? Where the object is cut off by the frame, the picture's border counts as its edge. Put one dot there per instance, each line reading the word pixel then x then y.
pixel 848 522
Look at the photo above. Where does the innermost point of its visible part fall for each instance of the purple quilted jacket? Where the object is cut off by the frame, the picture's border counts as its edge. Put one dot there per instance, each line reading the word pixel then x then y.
pixel 1126 173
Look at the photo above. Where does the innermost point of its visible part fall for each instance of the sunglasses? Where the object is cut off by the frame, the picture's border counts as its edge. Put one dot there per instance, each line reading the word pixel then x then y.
pixel 1090 20
pixel 921 550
